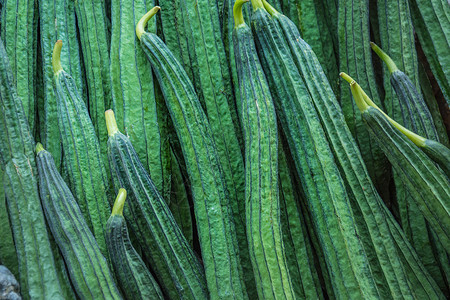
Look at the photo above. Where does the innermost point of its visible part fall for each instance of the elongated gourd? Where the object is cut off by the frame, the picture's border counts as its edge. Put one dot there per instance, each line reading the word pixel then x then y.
pixel 87 177
pixel 321 180
pixel 88 268
pixel 134 94
pixel 56 22
pixel 355 58
pixel 133 276
pixel 19 34
pixel 174 262
pixel 428 186
pixel 38 275
pixel 95 44
pixel 367 205
pixel 212 206
pixel 262 205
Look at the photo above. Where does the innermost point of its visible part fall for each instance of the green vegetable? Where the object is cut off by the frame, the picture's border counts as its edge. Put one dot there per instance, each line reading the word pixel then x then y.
pixel 262 205
pixel 428 186
pixel 321 180
pixel 57 22
pixel 176 266
pixel 134 94
pixel 19 35
pixel 88 268
pixel 87 177
pixel 134 278
pixel 38 275
pixel 95 44
pixel 212 206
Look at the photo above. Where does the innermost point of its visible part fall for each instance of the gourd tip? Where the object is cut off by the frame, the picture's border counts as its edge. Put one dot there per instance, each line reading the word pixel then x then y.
pixel 111 123
pixel 346 77
pixel 392 67
pixel 237 13
pixel 140 27
pixel 270 9
pixel 39 147
pixel 56 57
pixel 119 203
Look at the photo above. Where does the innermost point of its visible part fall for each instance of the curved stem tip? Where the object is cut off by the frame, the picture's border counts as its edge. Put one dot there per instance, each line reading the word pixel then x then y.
pixel 56 57
pixel 387 60
pixel 119 203
pixel 270 9
pixel 111 124
pixel 237 13
pixel 140 27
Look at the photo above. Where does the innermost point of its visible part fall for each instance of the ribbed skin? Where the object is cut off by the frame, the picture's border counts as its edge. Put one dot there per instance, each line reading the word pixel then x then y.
pixel 322 183
pixel 366 203
pixel 175 264
pixel 355 59
pixel 428 186
pixel 8 256
pixel 134 278
pixel 439 153
pixel 262 205
pixel 95 44
pixel 431 19
pixel 88 268
pixel 86 174
pixel 133 92
pixel 36 264
pixel 179 201
pixel 298 249
pixel 56 22
pixel 19 35
pixel 212 206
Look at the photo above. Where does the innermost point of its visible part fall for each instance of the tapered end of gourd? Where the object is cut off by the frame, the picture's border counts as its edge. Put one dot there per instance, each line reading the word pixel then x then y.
pixel 111 123
pixel 257 4
pixel 119 203
pixel 270 9
pixel 56 57
pixel 237 13
pixel 140 27
pixel 384 57
pixel 356 92
pixel 39 148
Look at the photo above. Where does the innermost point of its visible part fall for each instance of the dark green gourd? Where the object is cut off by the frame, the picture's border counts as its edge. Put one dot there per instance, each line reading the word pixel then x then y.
pixel 134 278
pixel 88 268
pixel 174 263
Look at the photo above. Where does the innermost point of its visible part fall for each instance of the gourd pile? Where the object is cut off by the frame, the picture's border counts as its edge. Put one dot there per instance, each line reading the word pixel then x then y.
pixel 227 149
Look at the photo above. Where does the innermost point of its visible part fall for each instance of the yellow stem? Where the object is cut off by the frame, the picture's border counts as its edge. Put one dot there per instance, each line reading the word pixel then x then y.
pixel 140 27
pixel 237 13
pixel 119 203
pixel 56 57
pixel 111 124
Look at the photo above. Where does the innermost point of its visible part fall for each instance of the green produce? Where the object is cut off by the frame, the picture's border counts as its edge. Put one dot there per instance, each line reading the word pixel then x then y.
pixel 56 22
pixel 262 205
pixel 321 180
pixel 133 92
pixel 88 268
pixel 134 278
pixel 87 177
pixel 355 58
pixel 38 275
pixel 8 256
pixel 431 19
pixel 428 186
pixel 19 35
pixel 179 201
pixel 174 262
pixel 212 205
pixel 95 44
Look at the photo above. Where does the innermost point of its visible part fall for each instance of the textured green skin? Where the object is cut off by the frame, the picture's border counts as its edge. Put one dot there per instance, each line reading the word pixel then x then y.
pixel 355 59
pixel 28 226
pixel 88 268
pixel 431 19
pixel 179 201
pixel 262 203
pixel 87 177
pixel 18 33
pixel 299 253
pixel 95 45
pixel 57 22
pixel 220 107
pixel 366 203
pixel 37 269
pixel 439 153
pixel 212 206
pixel 175 264
pixel 133 91
pixel 321 181
pixel 316 33
pixel 428 95
pixel 331 17
pixel 133 276
pixel 428 186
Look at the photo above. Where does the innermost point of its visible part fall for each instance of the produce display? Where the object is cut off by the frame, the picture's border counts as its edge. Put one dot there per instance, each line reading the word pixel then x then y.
pixel 224 149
